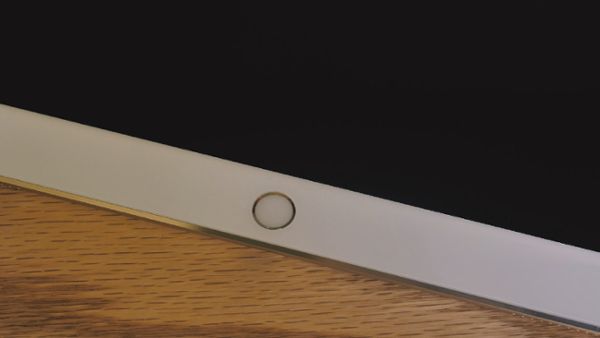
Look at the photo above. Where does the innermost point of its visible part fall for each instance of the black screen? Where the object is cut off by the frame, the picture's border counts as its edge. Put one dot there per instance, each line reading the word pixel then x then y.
pixel 480 110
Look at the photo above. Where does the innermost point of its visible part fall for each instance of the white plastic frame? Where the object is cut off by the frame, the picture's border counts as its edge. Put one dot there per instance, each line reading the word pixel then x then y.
pixel 527 272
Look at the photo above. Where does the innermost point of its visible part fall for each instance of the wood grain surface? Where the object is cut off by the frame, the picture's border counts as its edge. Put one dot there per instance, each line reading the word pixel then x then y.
pixel 74 270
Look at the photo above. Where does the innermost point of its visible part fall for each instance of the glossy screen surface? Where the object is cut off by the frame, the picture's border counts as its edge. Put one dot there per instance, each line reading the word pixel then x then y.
pixel 483 112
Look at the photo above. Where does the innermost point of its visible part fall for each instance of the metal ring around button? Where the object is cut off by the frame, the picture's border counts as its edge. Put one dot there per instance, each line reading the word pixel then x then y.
pixel 273 210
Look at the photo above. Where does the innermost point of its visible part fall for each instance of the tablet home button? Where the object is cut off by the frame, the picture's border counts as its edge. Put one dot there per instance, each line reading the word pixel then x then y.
pixel 274 210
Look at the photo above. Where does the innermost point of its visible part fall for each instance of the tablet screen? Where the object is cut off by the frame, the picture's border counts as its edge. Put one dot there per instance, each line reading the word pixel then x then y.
pixel 485 117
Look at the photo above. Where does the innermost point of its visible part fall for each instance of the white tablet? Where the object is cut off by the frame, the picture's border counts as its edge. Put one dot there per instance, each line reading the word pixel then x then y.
pixel 354 230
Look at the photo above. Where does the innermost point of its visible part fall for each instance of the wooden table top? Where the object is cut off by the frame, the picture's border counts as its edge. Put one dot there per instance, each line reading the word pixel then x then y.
pixel 70 269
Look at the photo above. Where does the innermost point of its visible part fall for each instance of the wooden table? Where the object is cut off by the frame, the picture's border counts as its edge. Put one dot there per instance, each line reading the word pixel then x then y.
pixel 70 269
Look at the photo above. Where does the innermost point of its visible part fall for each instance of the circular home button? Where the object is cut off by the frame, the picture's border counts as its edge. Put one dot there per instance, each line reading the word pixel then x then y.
pixel 274 210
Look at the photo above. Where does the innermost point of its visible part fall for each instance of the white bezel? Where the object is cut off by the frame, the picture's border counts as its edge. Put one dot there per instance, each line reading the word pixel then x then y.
pixel 527 272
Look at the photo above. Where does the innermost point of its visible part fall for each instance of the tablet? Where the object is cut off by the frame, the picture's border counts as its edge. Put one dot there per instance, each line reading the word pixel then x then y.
pixel 446 146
